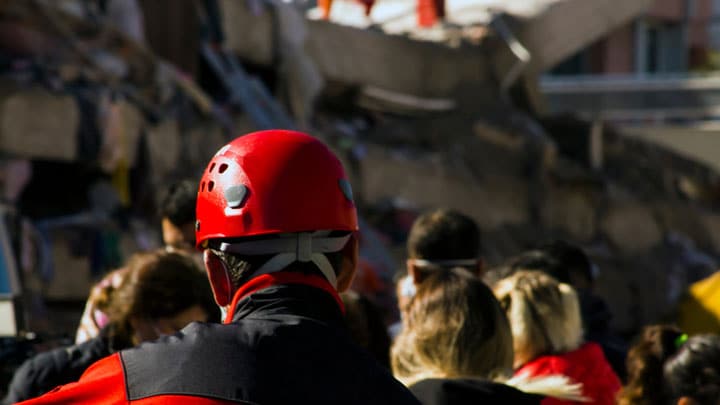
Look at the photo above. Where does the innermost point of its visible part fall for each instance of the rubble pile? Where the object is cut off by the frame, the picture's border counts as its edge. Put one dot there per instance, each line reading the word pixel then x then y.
pixel 419 125
pixel 92 125
pixel 650 238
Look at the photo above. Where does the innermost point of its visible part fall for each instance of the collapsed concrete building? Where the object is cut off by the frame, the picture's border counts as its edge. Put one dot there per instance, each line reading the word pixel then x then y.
pixel 453 119
pixel 463 126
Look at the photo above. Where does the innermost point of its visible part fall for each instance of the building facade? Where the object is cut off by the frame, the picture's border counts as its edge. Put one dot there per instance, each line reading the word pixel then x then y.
pixel 673 37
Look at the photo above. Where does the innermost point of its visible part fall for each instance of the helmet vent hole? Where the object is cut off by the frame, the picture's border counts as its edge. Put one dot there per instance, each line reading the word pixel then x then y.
pixel 212 166
pixel 202 186
pixel 222 168
pixel 211 186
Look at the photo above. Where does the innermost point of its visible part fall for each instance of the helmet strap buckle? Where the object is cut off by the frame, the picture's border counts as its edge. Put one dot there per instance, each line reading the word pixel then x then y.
pixel 304 250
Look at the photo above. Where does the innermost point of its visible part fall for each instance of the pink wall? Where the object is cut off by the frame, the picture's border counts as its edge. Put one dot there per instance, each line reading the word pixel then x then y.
pixel 619 55
pixel 675 9
pixel 699 36
pixel 615 53
pixel 668 9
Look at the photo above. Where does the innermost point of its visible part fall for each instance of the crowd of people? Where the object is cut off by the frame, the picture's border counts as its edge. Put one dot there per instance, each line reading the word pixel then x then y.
pixel 263 314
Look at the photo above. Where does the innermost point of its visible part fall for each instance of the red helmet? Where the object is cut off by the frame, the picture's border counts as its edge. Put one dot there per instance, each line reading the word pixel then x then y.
pixel 272 182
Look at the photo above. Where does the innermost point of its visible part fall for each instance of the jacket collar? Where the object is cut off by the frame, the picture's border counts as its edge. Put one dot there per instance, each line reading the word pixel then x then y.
pixel 275 290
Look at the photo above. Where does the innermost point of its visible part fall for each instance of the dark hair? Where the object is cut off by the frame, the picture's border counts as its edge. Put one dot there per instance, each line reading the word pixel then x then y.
pixel 159 284
pixel 366 326
pixel 558 259
pixel 645 361
pixel 571 257
pixel 178 203
pixel 694 371
pixel 539 260
pixel 444 234
pixel 239 269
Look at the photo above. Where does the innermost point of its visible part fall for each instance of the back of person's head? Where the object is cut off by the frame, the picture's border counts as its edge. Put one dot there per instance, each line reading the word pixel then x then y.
pixel 440 239
pixel 366 326
pixel 442 235
pixel 574 260
pixel 178 202
pixel 273 201
pixel 453 327
pixel 544 314
pixel 177 213
pixel 693 373
pixel 540 260
pixel 159 294
pixel 645 361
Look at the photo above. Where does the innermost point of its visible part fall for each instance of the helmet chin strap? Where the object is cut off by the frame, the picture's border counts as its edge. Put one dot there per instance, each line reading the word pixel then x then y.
pixel 289 248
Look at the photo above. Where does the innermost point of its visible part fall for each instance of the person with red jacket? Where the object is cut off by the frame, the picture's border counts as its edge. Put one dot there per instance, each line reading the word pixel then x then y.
pixel 544 316
pixel 277 225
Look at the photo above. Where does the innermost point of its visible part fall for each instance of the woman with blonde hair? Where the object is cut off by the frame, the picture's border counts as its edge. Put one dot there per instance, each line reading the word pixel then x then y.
pixel 544 316
pixel 456 345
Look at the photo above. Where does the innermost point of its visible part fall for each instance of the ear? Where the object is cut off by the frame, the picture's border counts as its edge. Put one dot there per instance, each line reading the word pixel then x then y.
pixel 480 270
pixel 219 278
pixel 412 270
pixel 417 273
pixel 349 264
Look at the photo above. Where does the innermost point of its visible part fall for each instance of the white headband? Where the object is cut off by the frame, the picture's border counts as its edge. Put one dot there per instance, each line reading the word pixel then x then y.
pixel 445 263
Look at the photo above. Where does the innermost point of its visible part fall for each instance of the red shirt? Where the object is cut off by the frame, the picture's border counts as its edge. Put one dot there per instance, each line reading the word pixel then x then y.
pixel 586 365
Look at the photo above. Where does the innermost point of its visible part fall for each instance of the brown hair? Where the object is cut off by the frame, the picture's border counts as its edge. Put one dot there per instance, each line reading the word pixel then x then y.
pixel 366 326
pixel 444 234
pixel 645 366
pixel 453 327
pixel 157 285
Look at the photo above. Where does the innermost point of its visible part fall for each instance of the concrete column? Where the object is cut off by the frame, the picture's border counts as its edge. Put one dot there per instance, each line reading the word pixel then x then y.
pixel 641 39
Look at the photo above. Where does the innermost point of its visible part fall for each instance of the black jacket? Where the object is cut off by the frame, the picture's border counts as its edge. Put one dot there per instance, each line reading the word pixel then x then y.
pixel 285 344
pixel 596 324
pixel 47 370
pixel 461 391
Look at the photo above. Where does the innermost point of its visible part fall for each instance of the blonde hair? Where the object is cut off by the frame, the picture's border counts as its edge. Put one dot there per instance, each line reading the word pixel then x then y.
pixel 453 327
pixel 544 314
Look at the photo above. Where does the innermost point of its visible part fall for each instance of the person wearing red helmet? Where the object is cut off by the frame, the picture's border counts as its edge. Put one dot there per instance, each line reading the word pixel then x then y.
pixel 277 227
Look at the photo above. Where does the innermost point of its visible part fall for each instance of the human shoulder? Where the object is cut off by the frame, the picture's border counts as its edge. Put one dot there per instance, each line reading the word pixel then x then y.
pixel 39 374
pixel 450 391
pixel 103 382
